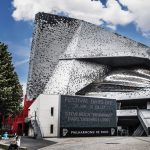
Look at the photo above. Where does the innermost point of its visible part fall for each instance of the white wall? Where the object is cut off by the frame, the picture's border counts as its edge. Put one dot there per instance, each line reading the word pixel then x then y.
pixel 34 108
pixel 148 105
pixel 31 132
pixel 42 106
pixel 128 112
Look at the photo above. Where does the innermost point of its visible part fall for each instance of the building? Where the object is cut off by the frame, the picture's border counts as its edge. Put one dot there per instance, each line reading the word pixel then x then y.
pixel 72 116
pixel 17 124
pixel 74 57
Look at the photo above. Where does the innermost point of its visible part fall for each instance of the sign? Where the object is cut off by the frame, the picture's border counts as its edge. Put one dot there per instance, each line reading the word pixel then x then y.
pixel 86 116
pixel 85 132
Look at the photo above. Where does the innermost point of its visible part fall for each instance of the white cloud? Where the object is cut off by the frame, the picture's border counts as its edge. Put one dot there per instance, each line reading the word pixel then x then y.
pixel 19 63
pixel 22 51
pixel 113 27
pixel 91 11
pixel 24 86
pixel 141 13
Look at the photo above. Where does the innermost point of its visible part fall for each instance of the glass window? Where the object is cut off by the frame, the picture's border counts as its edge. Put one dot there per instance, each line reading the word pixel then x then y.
pixel 52 111
pixel 51 128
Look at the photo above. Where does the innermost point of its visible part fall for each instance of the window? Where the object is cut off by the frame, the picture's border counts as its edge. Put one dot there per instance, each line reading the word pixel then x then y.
pixel 51 128
pixel 52 111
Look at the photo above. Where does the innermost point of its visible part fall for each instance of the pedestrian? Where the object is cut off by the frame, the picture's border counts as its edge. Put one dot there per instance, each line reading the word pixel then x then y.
pixel 15 144
pixel 18 141
pixel 5 136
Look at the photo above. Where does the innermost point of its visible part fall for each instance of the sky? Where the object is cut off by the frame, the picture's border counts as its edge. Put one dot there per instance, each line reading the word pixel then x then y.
pixel 130 18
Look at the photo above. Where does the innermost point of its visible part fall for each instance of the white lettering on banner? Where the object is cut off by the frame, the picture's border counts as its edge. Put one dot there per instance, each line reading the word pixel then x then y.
pixel 82 132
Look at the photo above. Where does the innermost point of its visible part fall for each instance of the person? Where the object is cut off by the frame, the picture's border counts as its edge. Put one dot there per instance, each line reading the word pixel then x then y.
pixel 18 141
pixel 15 144
pixel 15 134
pixel 5 136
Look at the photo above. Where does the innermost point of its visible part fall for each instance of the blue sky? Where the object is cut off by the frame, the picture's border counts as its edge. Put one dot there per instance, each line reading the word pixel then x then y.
pixel 16 22
pixel 17 35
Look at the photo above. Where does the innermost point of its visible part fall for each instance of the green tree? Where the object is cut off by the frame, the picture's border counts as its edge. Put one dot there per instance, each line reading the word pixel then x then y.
pixel 11 93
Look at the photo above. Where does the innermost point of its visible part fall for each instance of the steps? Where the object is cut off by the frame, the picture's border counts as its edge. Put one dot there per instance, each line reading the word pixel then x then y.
pixel 144 117
pixel 139 131
pixel 36 128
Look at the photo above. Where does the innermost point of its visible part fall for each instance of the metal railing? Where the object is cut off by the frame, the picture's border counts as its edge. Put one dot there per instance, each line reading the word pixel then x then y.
pixel 38 122
pixel 36 119
pixel 141 117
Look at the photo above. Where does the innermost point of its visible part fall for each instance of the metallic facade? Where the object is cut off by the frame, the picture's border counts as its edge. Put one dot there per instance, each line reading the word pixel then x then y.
pixel 74 57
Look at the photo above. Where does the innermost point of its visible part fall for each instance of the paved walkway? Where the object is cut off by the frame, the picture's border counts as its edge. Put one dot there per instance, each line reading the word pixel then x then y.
pixel 89 143
pixel 30 143
pixel 100 143
pixel 34 144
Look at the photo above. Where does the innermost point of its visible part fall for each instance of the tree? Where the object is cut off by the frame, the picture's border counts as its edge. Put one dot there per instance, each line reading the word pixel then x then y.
pixel 11 93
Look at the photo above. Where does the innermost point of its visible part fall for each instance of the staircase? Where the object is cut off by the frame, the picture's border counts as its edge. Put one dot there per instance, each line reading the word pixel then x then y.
pixel 36 128
pixel 144 117
pixel 139 131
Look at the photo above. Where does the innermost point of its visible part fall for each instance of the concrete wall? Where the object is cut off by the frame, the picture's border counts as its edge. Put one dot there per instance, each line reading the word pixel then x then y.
pixel 129 112
pixel 31 132
pixel 42 106
pixel 34 108
pixel 148 105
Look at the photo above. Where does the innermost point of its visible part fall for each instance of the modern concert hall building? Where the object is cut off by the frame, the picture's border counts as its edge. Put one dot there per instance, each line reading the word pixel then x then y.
pixel 86 81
